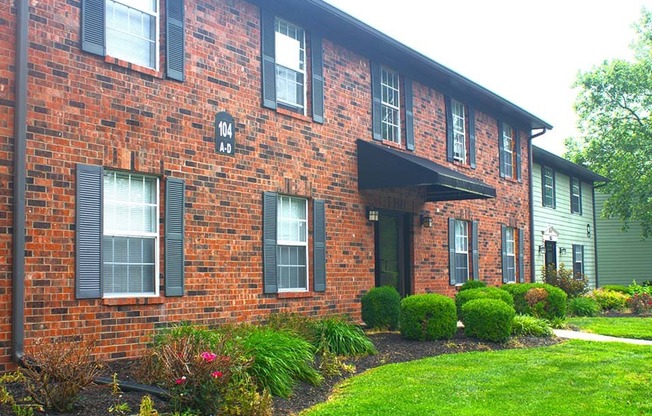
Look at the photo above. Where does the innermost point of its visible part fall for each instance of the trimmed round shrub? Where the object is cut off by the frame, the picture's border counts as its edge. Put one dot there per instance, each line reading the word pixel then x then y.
pixel 481 293
pixel 583 306
pixel 488 319
pixel 610 300
pixel 427 317
pixel 616 288
pixel 381 307
pixel 472 284
pixel 550 308
pixel 526 325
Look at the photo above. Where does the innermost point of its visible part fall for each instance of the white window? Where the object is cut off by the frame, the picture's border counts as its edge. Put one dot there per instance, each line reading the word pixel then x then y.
pixel 510 254
pixel 292 244
pixel 132 31
pixel 508 150
pixel 290 46
pixel 131 237
pixel 461 251
pixel 548 187
pixel 459 131
pixel 390 106
pixel 576 196
pixel 578 261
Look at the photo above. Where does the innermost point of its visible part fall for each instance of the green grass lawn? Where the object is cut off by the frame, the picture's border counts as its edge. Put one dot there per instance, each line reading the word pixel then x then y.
pixel 639 328
pixel 573 378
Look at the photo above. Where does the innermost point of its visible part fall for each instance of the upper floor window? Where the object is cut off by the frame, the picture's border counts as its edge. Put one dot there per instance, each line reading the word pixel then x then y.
pixel 576 195
pixel 390 106
pixel 509 150
pixel 130 242
pixel 129 30
pixel 132 31
pixel 292 243
pixel 459 131
pixel 290 63
pixel 548 186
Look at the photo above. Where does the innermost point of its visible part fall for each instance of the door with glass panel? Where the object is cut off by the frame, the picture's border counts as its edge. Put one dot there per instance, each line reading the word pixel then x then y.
pixel 392 252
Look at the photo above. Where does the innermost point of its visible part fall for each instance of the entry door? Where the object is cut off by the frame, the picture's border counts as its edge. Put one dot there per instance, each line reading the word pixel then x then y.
pixel 392 251
pixel 551 254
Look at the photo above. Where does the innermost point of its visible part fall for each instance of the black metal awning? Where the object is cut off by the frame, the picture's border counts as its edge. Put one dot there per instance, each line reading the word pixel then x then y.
pixel 384 167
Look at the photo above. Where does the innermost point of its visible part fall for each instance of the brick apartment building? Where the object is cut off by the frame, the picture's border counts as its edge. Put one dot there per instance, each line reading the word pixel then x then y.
pixel 214 161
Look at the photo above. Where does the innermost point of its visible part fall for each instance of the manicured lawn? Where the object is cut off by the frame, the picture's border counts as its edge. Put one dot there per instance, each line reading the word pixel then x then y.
pixel 638 328
pixel 573 378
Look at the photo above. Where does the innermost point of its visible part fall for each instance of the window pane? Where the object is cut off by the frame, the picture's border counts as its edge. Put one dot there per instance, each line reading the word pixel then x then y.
pixel 131 28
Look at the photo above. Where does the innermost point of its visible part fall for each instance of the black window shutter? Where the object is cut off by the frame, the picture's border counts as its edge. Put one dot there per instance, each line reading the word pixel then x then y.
pixel 319 242
pixel 269 58
pixel 317 62
pixel 503 245
pixel 501 150
pixel 574 249
pixel 270 281
pixel 472 137
pixel 476 253
pixel 409 115
pixel 451 251
pixel 449 129
pixel 517 150
pixel 175 39
pixel 88 232
pixel 174 236
pixel 582 252
pixel 93 25
pixel 376 103
pixel 521 254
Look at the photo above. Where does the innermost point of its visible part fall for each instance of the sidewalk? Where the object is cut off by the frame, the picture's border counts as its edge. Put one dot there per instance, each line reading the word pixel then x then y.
pixel 586 336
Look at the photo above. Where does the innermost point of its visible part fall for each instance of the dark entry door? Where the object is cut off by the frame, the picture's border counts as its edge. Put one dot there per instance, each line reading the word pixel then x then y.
pixel 551 254
pixel 392 251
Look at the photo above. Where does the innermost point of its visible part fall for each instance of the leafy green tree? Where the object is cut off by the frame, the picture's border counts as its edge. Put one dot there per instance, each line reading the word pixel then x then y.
pixel 614 106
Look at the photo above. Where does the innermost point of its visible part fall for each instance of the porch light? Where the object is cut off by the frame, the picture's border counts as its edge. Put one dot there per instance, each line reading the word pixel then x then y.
pixel 562 251
pixel 426 219
pixel 542 249
pixel 588 230
pixel 372 214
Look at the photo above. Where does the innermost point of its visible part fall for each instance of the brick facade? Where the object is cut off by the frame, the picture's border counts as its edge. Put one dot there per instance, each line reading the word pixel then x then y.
pixel 86 109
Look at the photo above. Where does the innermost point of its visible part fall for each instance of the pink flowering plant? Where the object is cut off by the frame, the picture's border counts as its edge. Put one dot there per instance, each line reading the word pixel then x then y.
pixel 640 303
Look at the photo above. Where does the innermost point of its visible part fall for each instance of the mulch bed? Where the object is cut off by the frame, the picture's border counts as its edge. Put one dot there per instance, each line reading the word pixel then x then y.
pixel 97 399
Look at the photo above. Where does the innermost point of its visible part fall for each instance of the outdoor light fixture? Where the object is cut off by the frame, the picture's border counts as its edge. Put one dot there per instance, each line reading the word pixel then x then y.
pixel 372 214
pixel 542 249
pixel 588 230
pixel 426 219
pixel 562 251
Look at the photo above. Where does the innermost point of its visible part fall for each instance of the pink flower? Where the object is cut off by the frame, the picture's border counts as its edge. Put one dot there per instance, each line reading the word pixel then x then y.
pixel 180 380
pixel 208 356
pixel 217 374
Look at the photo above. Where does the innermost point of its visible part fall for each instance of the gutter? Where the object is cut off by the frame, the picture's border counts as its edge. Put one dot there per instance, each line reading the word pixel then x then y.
pixel 20 177
pixel 529 178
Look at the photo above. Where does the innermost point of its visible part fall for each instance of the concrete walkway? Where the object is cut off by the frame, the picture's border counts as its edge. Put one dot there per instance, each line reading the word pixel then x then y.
pixel 586 336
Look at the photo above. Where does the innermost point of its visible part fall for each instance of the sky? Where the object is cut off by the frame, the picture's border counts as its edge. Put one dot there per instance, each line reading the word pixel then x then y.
pixel 527 51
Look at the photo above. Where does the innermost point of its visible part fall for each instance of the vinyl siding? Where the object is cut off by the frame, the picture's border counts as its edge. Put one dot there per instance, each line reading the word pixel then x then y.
pixel 571 227
pixel 622 255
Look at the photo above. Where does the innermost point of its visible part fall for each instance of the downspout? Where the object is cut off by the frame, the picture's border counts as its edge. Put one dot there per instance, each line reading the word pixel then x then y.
pixel 529 178
pixel 20 175
pixel 595 235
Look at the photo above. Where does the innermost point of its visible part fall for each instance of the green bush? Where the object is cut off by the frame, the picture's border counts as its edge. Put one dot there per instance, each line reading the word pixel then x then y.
pixel 610 300
pixel 526 325
pixel 616 288
pixel 488 319
pixel 635 289
pixel 380 308
pixel 472 284
pixel 573 285
pixel 280 359
pixel 336 336
pixel 428 317
pixel 554 306
pixel 583 306
pixel 481 293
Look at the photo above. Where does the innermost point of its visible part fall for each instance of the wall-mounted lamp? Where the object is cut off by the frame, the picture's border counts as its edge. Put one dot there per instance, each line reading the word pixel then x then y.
pixel 588 230
pixel 562 251
pixel 542 249
pixel 426 219
pixel 372 214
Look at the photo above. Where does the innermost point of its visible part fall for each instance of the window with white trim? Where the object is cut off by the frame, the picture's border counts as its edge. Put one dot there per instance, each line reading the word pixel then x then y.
pixel 459 131
pixel 390 105
pixel 548 187
pixel 290 48
pixel 292 244
pixel 132 31
pixel 131 235
pixel 578 261
pixel 508 150
pixel 461 251
pixel 576 196
pixel 510 254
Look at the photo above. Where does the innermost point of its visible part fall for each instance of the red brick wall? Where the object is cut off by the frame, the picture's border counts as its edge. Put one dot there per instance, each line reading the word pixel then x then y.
pixel 90 110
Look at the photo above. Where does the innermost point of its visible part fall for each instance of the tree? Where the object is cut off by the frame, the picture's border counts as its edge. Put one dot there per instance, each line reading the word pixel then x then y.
pixel 614 107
